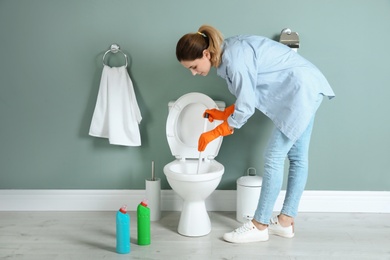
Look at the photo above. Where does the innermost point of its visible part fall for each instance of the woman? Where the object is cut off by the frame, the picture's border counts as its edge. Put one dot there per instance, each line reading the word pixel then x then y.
pixel 265 75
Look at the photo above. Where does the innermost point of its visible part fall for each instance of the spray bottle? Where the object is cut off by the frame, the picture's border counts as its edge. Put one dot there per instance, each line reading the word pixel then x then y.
pixel 143 223
pixel 122 231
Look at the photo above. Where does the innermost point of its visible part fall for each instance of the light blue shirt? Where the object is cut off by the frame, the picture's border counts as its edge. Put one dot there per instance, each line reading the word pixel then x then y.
pixel 266 75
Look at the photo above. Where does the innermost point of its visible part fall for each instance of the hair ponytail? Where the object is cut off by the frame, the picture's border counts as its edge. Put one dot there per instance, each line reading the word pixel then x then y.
pixel 191 46
pixel 215 42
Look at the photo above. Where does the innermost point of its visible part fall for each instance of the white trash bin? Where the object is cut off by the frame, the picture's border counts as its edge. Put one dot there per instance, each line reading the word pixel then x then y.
pixel 248 193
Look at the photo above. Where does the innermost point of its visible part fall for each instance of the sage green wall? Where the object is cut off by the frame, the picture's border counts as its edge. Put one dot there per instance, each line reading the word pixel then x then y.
pixel 50 69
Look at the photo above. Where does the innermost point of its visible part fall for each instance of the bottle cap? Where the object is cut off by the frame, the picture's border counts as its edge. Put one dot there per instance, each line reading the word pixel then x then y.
pixel 144 203
pixel 123 209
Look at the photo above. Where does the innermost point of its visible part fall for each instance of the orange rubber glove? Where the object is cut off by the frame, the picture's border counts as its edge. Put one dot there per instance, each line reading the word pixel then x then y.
pixel 205 138
pixel 218 114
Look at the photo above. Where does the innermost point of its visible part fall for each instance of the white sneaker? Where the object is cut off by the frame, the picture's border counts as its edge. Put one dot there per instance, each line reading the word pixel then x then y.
pixel 246 234
pixel 276 229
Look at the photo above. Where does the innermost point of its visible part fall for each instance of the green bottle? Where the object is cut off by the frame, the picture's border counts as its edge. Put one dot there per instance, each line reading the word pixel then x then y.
pixel 143 224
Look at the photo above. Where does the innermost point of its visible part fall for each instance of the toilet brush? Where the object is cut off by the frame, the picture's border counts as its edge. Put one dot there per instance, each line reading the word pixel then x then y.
pixel 153 195
pixel 206 116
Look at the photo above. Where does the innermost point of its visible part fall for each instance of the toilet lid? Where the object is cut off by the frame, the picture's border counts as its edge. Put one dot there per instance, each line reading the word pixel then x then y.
pixel 185 123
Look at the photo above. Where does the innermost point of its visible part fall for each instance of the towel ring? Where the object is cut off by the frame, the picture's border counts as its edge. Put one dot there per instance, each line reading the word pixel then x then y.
pixel 114 49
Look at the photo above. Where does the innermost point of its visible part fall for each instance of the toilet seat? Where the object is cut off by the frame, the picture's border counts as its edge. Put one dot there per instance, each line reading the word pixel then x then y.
pixel 185 123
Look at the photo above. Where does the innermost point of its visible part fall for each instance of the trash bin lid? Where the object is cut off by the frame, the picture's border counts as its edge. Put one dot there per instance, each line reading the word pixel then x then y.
pixel 250 181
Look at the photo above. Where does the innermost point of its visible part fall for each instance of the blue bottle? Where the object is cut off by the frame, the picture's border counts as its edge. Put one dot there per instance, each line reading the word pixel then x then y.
pixel 122 231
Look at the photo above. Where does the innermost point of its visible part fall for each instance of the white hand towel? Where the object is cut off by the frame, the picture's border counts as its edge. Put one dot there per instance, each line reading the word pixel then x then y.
pixel 116 114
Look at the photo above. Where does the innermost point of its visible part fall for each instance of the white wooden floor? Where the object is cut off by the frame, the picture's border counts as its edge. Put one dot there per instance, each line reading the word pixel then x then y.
pixel 91 235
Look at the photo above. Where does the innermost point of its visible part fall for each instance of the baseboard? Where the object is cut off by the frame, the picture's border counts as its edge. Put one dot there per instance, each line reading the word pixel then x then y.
pixel 220 200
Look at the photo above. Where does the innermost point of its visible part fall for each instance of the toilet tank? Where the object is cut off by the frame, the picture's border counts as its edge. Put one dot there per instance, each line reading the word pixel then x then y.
pixel 221 105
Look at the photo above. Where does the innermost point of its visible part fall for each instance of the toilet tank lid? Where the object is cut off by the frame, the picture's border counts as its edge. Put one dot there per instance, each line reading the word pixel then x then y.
pixel 220 104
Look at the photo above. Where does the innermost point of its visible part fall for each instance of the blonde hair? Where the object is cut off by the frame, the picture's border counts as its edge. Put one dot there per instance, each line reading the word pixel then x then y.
pixel 191 46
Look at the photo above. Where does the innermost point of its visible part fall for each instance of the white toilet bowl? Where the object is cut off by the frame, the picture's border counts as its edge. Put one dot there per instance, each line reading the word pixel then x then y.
pixel 194 188
pixel 193 185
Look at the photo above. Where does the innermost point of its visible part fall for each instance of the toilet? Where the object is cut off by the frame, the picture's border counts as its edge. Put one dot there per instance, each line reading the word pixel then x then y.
pixel 191 180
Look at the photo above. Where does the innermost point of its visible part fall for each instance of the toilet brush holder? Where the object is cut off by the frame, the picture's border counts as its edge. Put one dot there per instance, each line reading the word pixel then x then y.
pixel 153 195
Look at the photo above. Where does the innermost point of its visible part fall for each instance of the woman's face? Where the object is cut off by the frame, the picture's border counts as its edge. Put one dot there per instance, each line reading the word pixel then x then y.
pixel 200 66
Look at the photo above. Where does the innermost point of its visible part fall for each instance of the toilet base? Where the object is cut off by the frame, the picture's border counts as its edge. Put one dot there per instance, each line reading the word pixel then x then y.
pixel 194 219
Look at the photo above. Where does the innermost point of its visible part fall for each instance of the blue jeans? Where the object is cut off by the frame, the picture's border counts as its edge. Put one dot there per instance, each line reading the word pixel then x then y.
pixel 280 147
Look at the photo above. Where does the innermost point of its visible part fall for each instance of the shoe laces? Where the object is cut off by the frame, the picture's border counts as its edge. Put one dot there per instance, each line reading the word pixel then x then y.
pixel 248 226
